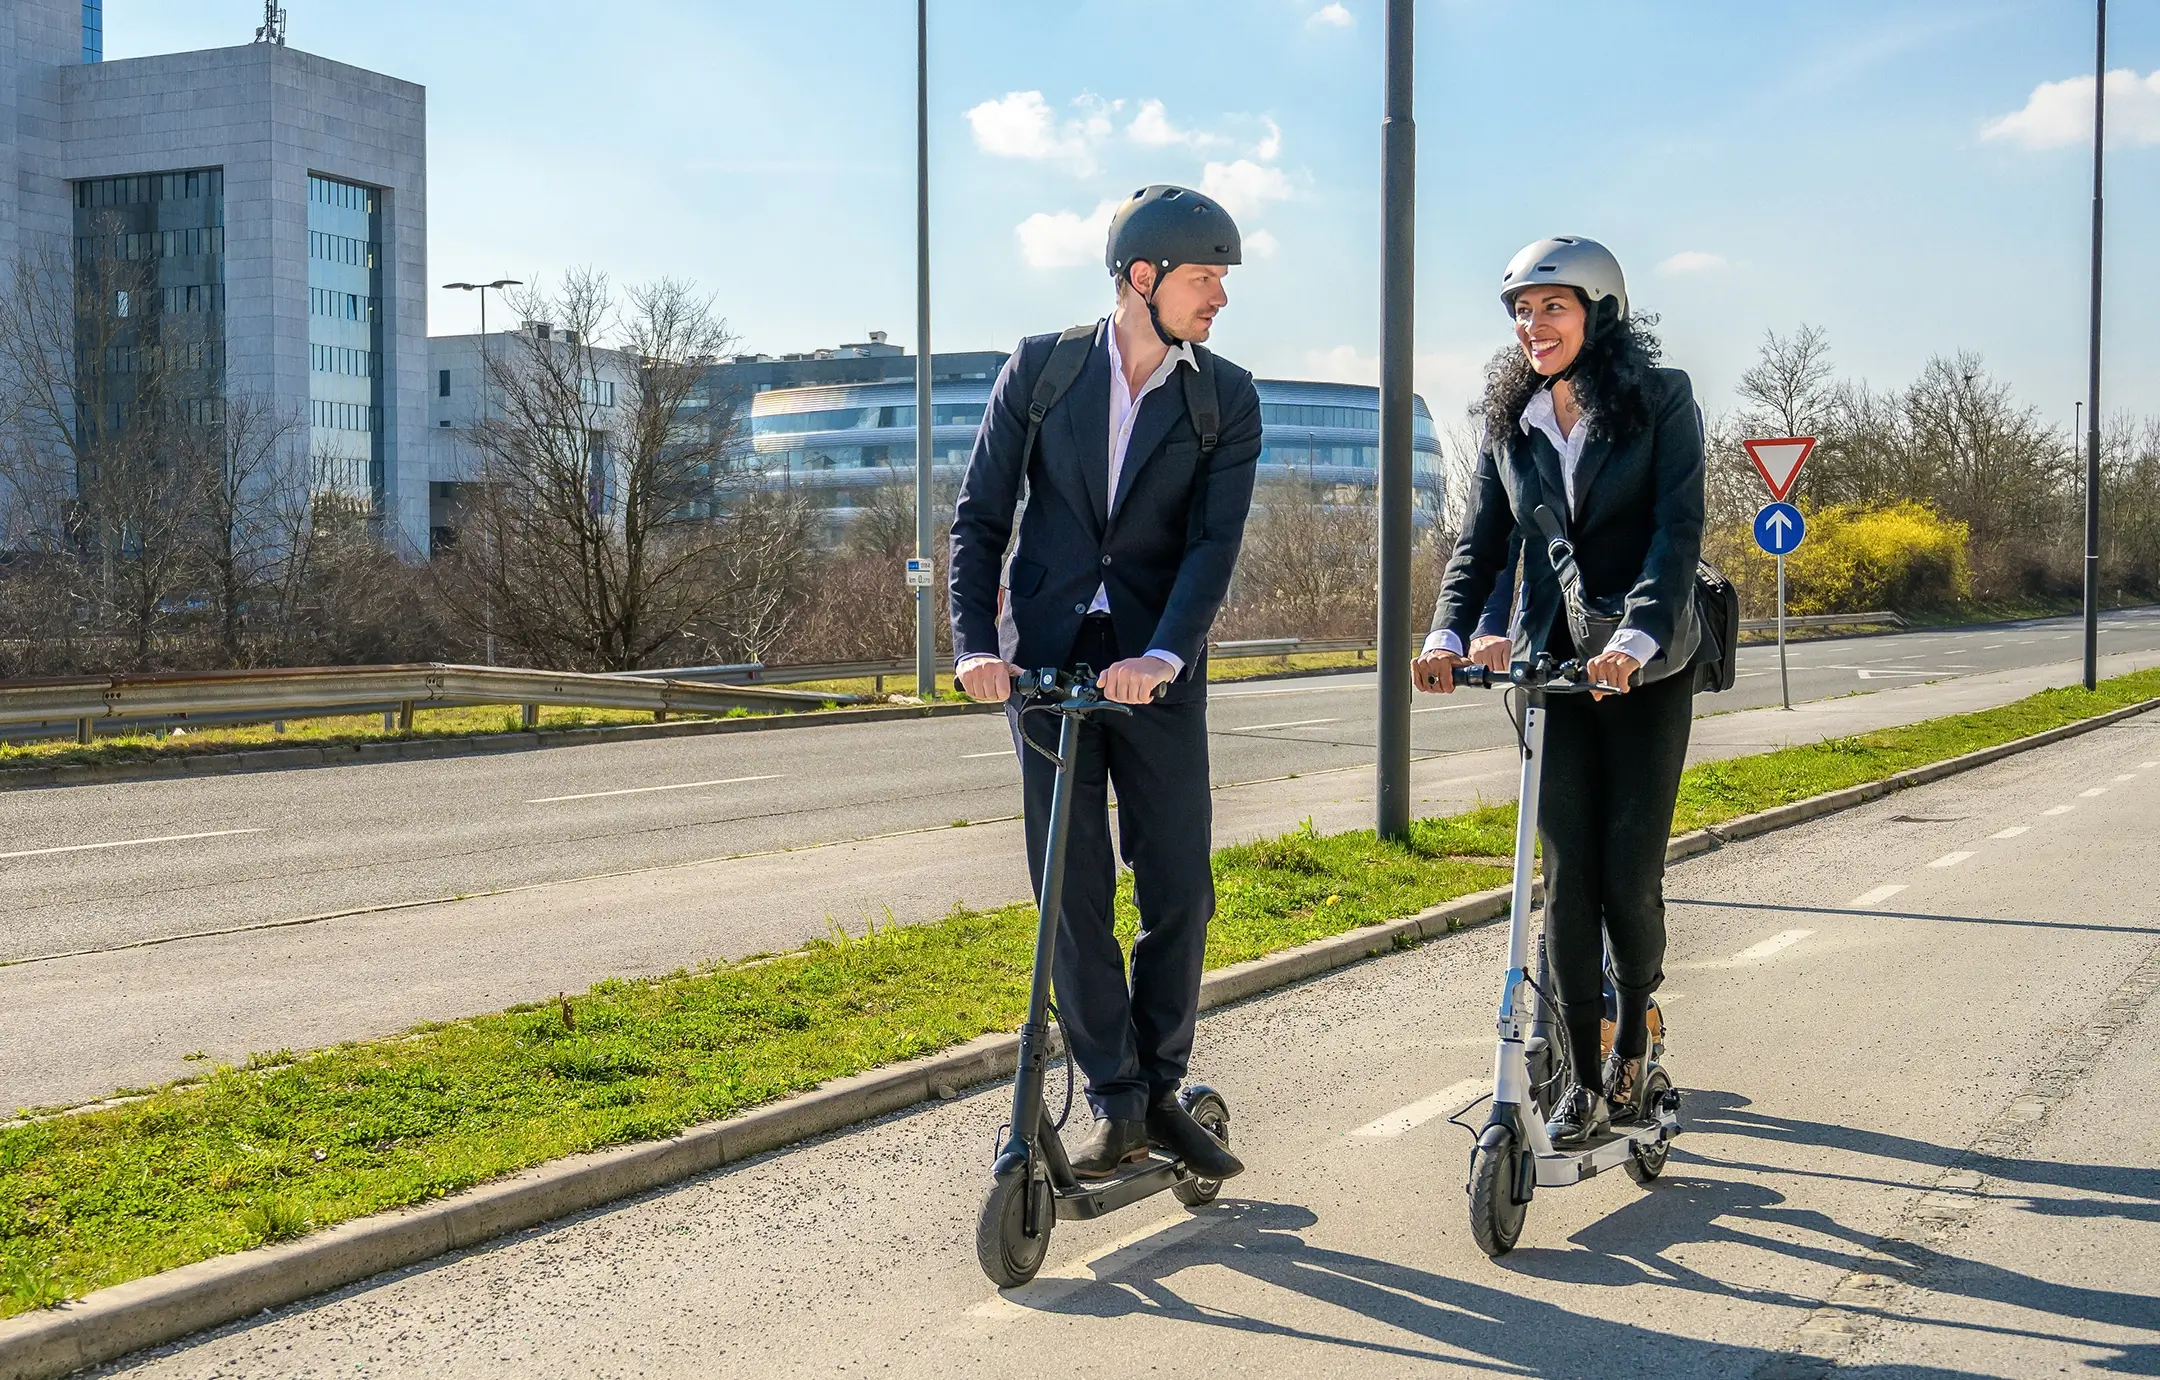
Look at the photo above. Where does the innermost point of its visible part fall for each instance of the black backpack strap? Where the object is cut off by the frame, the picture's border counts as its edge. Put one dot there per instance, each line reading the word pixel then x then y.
pixel 1067 358
pixel 1205 413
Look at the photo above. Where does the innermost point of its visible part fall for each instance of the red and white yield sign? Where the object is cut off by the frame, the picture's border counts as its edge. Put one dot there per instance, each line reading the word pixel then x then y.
pixel 1778 461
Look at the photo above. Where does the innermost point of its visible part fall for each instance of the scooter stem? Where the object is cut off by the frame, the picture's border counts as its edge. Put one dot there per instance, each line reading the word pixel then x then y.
pixel 1518 999
pixel 1035 1034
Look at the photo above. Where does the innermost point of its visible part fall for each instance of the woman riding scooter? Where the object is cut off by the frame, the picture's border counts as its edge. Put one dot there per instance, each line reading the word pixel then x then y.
pixel 1587 441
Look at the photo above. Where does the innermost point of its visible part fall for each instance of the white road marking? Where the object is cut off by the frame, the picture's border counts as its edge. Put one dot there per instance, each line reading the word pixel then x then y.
pixel 2147 766
pixel 2127 776
pixel 1867 900
pixel 1775 944
pixel 2097 790
pixel 646 790
pixel 1950 859
pixel 1437 708
pixel 1448 1100
pixel 1993 645
pixel 2012 832
pixel 1888 674
pixel 128 843
pixel 1352 687
pixel 2058 809
pixel 971 756
pixel 1294 723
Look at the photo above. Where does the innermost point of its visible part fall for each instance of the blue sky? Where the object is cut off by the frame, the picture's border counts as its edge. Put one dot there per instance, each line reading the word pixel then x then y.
pixel 1903 173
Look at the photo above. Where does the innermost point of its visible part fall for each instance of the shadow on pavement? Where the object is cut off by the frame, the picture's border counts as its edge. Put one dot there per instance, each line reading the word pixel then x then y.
pixel 1443 1320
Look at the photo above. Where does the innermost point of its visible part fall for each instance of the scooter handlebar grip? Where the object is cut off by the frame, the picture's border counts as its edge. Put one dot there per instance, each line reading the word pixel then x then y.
pixel 1475 677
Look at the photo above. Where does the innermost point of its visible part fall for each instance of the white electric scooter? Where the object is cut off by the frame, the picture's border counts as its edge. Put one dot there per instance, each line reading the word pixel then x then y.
pixel 1514 1157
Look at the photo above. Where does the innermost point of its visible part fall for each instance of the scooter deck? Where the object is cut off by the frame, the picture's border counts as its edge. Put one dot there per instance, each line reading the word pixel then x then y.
pixel 1559 1168
pixel 1089 1198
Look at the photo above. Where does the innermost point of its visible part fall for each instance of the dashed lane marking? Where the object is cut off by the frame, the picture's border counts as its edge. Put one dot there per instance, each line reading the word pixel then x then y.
pixel 1406 1119
pixel 1294 723
pixel 2012 832
pixel 2097 790
pixel 2147 766
pixel 128 843
pixel 1867 900
pixel 2058 809
pixel 1775 944
pixel 648 790
pixel 1031 1299
pixel 971 756
pixel 1950 859
pixel 2127 776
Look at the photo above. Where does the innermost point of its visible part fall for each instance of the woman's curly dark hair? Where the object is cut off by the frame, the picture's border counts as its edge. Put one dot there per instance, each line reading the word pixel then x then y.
pixel 1612 380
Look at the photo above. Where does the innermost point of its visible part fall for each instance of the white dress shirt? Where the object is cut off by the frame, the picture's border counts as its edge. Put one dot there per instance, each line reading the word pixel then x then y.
pixel 1541 414
pixel 1124 411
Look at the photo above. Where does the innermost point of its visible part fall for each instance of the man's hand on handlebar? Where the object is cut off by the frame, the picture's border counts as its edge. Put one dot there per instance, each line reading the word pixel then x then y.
pixel 989 681
pixel 1612 670
pixel 1491 652
pixel 1133 680
pixel 1434 672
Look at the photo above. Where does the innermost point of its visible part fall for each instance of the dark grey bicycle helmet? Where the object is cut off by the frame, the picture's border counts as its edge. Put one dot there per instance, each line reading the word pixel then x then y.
pixel 1168 227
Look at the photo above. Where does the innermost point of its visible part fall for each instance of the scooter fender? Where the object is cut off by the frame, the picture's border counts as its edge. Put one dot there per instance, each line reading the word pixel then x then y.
pixel 1011 1164
pixel 1501 1133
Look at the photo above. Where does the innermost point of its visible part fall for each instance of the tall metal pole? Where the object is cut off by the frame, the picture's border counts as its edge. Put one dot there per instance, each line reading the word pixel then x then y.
pixel 925 601
pixel 1784 684
pixel 1398 153
pixel 2092 399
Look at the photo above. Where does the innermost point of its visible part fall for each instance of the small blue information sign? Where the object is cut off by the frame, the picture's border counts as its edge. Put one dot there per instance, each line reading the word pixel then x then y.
pixel 1779 528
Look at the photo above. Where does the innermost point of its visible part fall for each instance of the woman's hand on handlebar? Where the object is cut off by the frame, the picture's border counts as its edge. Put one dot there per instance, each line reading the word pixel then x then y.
pixel 1491 652
pixel 1613 671
pixel 1434 672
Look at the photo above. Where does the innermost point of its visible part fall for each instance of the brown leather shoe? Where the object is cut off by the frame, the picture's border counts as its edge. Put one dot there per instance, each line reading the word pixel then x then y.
pixel 1114 1143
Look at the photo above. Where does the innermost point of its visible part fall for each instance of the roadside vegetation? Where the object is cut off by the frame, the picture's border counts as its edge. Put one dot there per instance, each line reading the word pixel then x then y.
pixel 288 1143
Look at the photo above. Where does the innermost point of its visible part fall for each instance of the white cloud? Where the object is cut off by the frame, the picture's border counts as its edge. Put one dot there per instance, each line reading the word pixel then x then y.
pixel 2059 113
pixel 1332 14
pixel 1244 186
pixel 1270 145
pixel 1064 239
pixel 1690 261
pixel 1021 124
pixel 1259 244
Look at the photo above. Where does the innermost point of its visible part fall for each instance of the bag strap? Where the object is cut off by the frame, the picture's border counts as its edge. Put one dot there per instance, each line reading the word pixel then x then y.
pixel 1206 416
pixel 1067 358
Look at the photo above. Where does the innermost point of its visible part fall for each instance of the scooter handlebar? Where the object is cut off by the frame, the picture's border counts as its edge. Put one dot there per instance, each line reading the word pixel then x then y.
pixel 1563 678
pixel 1077 686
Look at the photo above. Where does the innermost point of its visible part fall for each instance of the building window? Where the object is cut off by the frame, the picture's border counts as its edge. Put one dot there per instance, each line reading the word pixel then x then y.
pixel 591 392
pixel 93 31
pixel 345 267
pixel 343 416
pixel 442 385
pixel 341 306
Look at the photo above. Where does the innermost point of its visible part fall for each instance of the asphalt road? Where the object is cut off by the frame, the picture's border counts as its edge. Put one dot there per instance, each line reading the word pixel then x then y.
pixel 1916 1040
pixel 94 867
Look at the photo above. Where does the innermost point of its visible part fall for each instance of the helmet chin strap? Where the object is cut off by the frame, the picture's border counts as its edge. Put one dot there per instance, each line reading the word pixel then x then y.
pixel 1154 317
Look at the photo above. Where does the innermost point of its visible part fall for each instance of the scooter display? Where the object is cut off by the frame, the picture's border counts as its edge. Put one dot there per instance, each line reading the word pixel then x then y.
pixel 1514 1157
pixel 1034 1183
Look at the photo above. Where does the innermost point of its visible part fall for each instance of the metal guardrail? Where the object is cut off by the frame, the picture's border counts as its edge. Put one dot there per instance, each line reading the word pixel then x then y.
pixel 1881 618
pixel 86 705
pixel 119 701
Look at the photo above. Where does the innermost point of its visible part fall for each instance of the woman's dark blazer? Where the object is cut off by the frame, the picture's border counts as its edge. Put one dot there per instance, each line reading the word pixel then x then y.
pixel 1637 529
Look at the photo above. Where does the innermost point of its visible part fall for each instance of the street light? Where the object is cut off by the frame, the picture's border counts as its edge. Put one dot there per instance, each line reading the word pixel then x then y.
pixel 2092 407
pixel 925 600
pixel 1398 300
pixel 482 289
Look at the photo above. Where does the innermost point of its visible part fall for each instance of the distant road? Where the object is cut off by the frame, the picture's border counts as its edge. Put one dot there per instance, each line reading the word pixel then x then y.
pixel 97 866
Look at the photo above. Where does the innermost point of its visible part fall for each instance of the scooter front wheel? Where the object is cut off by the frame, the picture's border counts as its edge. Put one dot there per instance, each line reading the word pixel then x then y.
pixel 1496 1219
pixel 1008 1254
pixel 1646 1162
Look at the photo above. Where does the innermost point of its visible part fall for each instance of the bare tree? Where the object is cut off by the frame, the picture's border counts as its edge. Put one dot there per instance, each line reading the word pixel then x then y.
pixel 614 514
pixel 250 531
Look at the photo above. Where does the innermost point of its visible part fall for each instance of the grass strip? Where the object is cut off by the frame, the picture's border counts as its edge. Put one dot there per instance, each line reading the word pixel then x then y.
pixel 285 1144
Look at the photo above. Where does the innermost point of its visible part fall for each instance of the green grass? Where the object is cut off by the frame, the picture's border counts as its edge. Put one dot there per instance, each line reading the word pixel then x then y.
pixel 286 1144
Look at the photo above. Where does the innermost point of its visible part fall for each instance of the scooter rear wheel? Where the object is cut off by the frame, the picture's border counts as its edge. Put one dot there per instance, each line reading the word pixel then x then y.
pixel 1007 1254
pixel 1213 1114
pixel 1496 1220
pixel 1646 1162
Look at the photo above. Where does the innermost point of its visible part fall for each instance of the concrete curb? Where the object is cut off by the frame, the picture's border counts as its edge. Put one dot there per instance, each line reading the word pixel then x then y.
pixel 411 749
pixel 112 1322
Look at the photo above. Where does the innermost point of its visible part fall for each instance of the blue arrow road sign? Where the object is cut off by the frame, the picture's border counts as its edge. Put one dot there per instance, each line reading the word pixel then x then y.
pixel 1779 528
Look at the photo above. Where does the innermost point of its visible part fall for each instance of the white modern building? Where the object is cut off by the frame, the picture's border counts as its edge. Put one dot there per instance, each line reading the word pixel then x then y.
pixel 283 200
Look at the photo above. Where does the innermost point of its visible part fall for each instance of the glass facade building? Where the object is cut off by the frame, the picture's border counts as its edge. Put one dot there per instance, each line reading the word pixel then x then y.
pixel 150 295
pixel 840 441
pixel 93 30
pixel 345 380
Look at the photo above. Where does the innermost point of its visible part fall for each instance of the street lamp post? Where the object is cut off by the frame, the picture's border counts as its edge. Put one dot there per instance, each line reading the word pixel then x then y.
pixel 482 289
pixel 2092 399
pixel 925 596
pixel 1398 153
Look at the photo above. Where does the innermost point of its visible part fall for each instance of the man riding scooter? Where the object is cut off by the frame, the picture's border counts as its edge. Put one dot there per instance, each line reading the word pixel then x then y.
pixel 1129 522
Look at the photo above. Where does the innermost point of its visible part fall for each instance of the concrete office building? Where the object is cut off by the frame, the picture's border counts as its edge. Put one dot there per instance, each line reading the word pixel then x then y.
pixel 283 198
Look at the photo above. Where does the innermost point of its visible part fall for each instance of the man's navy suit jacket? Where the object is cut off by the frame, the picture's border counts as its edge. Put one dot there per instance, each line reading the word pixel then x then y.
pixel 1166 572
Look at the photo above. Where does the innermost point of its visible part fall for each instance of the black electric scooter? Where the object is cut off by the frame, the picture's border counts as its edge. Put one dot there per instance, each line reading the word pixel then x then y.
pixel 1035 1184
pixel 1513 1156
